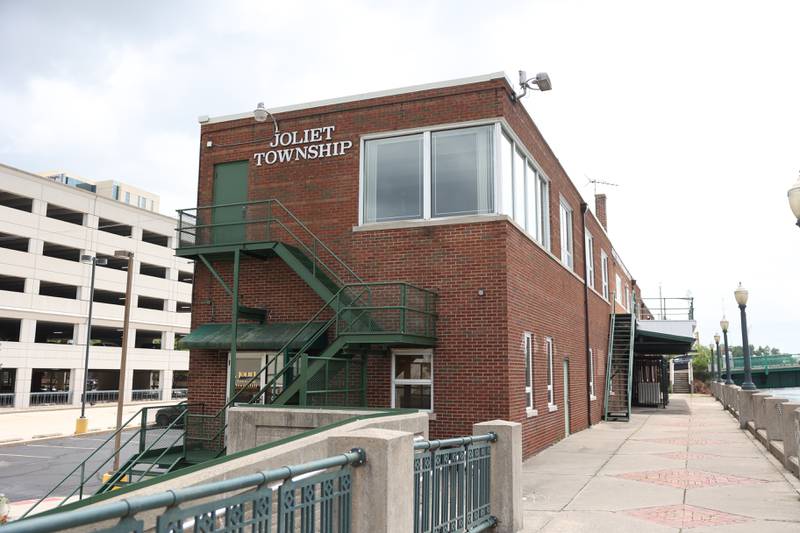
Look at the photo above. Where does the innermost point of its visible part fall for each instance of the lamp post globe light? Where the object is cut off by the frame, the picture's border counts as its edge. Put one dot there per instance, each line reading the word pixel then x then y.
pixel 719 365
pixel 794 200
pixel 724 325
pixel 82 424
pixel 741 295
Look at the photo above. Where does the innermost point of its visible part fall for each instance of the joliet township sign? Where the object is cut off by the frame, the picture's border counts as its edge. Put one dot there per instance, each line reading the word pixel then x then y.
pixel 313 143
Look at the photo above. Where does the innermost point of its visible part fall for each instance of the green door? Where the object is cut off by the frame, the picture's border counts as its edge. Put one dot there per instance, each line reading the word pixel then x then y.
pixel 230 187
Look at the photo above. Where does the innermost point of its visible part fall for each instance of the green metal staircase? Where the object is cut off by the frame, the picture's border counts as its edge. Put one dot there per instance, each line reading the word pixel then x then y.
pixel 354 316
pixel 619 370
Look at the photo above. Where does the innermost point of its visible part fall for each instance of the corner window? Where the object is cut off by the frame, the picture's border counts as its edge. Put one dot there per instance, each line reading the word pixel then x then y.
pixel 551 399
pixel 589 259
pixel 461 172
pixel 528 347
pixel 566 235
pixel 604 272
pixel 412 380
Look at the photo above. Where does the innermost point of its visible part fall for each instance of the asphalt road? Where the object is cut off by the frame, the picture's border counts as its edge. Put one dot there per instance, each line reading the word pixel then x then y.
pixel 31 470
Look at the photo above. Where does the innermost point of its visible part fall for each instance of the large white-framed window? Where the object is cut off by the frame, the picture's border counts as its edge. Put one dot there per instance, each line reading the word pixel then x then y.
pixel 393 178
pixel 551 398
pixel 412 379
pixel 520 211
pixel 591 375
pixel 589 251
pixel 604 272
pixel 565 229
pixel 618 289
pixel 462 171
pixel 543 205
pixel 528 352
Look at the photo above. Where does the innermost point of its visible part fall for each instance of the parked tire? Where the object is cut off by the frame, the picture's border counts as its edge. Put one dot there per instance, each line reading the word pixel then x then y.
pixel 162 421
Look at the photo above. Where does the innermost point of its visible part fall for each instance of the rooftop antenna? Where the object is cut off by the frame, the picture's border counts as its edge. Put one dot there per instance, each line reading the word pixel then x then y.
pixel 595 183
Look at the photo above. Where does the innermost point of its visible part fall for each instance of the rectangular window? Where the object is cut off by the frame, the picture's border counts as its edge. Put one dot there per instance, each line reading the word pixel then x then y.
pixel 127 197
pixel 412 380
pixel 543 224
pixel 566 235
pixel 617 289
pixel 604 272
pixel 531 219
pixel 528 371
pixel 551 399
pixel 393 177
pixel 507 169
pixel 589 259
pixel 519 188
pixel 115 191
pixel 591 374
pixel 461 172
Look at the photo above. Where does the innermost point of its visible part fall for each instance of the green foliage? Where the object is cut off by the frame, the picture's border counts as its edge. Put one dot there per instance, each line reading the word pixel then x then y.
pixel 701 362
pixel 736 351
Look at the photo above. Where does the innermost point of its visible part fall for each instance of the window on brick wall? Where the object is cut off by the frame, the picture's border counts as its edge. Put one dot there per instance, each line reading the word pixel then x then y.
pixel 591 374
pixel 618 289
pixel 604 272
pixel 589 259
pixel 412 379
pixel 393 178
pixel 565 219
pixel 528 353
pixel 461 172
pixel 551 399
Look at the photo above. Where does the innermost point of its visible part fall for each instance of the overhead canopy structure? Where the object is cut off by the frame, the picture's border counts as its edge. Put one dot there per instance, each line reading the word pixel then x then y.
pixel 665 337
pixel 263 337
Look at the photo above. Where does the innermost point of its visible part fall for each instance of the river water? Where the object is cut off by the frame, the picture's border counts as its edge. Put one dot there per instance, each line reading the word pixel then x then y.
pixel 790 393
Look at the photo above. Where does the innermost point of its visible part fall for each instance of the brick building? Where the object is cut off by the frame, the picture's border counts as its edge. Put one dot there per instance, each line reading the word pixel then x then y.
pixel 419 247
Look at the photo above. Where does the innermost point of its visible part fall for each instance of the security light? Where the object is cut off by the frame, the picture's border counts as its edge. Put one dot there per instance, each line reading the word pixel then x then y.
pixel 261 114
pixel 540 82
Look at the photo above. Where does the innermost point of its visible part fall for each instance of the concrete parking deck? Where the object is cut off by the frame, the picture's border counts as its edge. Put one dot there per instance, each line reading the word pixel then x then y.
pixel 688 467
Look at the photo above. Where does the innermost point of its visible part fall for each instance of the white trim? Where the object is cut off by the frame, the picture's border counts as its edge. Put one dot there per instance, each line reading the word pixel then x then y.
pixel 551 407
pixel 427 195
pixel 527 352
pixel 424 382
pixel 530 413
pixel 205 119
pixel 388 134
pixel 591 375
pixel 588 259
pixel 605 278
pixel 568 239
pixel 549 355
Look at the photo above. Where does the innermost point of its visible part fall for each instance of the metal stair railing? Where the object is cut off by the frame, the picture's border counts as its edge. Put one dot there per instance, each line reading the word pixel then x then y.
pixel 610 356
pixel 81 467
pixel 188 230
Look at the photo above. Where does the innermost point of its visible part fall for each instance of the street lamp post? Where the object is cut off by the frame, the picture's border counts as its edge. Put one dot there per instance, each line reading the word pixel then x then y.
pixel 794 200
pixel 123 362
pixel 719 366
pixel 82 424
pixel 741 298
pixel 724 325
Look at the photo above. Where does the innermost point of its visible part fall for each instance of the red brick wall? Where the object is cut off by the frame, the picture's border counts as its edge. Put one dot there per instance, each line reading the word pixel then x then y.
pixel 478 362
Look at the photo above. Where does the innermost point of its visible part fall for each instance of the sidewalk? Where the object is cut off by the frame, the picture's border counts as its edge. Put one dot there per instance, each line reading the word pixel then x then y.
pixel 686 467
pixel 20 426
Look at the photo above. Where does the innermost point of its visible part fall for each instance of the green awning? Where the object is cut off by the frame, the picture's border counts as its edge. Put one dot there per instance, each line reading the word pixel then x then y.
pixel 268 337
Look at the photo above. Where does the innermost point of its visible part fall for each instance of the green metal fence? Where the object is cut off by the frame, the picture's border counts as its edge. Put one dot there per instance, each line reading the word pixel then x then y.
pixel 452 480
pixel 311 497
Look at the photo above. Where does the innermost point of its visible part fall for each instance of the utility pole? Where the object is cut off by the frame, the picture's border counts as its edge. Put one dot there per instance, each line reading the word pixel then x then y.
pixel 123 362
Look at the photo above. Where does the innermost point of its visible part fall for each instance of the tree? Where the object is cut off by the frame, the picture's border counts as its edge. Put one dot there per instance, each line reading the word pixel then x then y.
pixel 701 362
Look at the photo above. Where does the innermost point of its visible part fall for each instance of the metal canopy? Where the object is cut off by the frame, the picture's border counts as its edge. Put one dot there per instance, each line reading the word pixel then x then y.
pixel 273 336
pixel 652 342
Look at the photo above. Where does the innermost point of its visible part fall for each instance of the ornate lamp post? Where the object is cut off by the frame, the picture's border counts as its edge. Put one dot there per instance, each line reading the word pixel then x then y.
pixel 724 325
pixel 741 298
pixel 794 200
pixel 719 366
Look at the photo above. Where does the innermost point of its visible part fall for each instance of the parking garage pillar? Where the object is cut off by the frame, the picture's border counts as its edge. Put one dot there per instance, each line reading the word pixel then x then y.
pixel 77 382
pixel 165 379
pixel 22 388
pixel 127 393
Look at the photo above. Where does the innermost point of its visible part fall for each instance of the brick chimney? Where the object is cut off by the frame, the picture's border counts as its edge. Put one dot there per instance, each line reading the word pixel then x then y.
pixel 600 209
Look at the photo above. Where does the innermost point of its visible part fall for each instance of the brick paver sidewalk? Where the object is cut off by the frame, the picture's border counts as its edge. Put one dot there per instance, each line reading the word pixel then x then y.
pixel 688 467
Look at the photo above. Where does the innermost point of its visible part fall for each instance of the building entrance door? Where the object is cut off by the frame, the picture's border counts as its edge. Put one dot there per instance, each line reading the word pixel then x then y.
pixel 566 397
pixel 230 187
pixel 248 365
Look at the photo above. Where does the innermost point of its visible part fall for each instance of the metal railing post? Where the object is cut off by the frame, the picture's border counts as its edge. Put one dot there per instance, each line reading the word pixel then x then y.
pixel 143 431
pixel 403 308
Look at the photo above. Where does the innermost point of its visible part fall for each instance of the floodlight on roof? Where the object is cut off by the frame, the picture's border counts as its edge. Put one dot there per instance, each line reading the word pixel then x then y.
pixel 540 82
pixel 260 114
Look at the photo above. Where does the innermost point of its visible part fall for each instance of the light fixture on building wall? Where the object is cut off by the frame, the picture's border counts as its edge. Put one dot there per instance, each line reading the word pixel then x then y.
pixel 261 114
pixel 540 82
pixel 794 200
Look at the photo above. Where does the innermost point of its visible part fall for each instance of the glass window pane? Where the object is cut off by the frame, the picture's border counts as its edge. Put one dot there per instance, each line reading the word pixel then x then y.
pixel 506 165
pixel 527 361
pixel 412 366
pixel 393 179
pixel 543 228
pixel 413 396
pixel 461 171
pixel 519 188
pixel 530 194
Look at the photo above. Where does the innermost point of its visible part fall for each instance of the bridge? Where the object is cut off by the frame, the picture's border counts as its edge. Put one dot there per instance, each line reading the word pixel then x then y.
pixel 769 371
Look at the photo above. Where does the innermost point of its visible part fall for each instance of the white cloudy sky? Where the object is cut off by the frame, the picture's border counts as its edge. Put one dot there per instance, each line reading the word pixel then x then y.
pixel 692 107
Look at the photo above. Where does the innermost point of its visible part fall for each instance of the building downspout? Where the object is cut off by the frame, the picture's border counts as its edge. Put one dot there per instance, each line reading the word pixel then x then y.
pixel 584 209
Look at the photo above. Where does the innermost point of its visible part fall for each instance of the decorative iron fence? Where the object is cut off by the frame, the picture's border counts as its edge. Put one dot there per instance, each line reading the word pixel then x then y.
pixel 311 497
pixel 143 395
pixel 452 485
pixel 7 399
pixel 51 398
